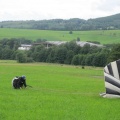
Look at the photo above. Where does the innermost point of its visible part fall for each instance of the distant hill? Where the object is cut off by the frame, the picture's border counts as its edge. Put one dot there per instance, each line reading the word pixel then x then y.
pixel 109 22
pixel 104 23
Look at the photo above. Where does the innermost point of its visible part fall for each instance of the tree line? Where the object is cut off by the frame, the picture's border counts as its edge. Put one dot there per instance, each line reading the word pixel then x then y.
pixel 74 24
pixel 68 53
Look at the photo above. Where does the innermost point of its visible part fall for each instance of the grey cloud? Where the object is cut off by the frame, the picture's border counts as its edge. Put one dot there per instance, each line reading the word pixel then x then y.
pixel 108 5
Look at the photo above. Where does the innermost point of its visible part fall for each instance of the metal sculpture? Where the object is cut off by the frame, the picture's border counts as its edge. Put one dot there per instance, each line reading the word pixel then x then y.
pixel 112 80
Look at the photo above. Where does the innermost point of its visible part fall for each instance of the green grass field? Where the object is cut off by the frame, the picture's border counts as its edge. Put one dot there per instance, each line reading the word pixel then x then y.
pixel 59 92
pixel 104 37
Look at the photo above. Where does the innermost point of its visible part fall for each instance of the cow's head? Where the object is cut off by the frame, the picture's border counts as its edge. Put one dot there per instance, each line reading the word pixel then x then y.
pixel 23 80
pixel 23 77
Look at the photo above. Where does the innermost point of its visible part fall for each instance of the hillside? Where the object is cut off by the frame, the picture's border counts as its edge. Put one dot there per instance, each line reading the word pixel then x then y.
pixel 104 23
pixel 109 22
pixel 101 36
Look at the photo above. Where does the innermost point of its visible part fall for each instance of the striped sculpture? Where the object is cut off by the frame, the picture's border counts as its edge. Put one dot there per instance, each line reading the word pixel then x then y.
pixel 112 80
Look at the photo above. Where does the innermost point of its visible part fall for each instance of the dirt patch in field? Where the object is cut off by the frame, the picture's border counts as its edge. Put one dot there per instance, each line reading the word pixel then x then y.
pixel 59 91
pixel 98 77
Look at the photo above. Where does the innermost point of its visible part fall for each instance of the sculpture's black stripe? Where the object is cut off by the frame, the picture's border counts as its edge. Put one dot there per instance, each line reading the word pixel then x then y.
pixel 110 69
pixel 109 91
pixel 118 66
pixel 111 81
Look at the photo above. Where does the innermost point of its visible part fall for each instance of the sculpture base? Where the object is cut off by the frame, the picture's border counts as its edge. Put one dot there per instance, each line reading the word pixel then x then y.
pixel 105 95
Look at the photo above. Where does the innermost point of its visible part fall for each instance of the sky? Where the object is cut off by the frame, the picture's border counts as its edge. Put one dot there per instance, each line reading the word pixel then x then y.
pixel 57 9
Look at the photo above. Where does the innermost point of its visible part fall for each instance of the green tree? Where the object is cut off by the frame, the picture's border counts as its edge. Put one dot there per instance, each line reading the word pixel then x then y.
pixel 7 53
pixel 85 49
pixel 61 53
pixel 35 56
pixel 77 49
pixel 73 46
pixel 52 56
pixel 115 53
pixel 70 32
pixel 42 55
pixel 75 60
pixel 78 39
pixel 89 59
pixel 69 57
pixel 100 60
pixel 38 48
pixel 81 59
pixel 21 57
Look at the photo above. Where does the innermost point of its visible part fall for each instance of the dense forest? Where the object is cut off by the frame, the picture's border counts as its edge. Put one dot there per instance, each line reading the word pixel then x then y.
pixel 103 23
pixel 68 53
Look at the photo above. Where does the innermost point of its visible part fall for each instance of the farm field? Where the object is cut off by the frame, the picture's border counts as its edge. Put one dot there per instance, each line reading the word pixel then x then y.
pixel 102 36
pixel 60 92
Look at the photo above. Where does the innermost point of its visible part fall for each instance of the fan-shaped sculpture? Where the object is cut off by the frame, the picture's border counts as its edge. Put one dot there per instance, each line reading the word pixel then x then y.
pixel 112 80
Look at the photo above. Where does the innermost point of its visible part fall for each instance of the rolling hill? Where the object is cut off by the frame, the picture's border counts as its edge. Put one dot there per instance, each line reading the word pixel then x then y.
pixel 101 36
pixel 74 24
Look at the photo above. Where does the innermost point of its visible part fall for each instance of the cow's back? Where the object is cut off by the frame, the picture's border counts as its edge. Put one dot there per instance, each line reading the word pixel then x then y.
pixel 14 82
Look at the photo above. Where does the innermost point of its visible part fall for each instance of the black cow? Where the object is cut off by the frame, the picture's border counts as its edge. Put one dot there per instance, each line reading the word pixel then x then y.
pixel 19 82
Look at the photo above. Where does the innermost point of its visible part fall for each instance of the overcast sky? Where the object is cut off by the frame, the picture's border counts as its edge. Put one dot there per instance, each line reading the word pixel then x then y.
pixel 53 9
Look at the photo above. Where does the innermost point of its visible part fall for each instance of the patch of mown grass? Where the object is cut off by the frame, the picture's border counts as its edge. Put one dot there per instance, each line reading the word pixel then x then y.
pixel 7 61
pixel 58 93
pixel 102 36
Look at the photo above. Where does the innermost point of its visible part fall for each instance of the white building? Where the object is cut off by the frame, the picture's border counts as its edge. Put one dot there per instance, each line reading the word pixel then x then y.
pixel 24 47
pixel 48 44
pixel 82 43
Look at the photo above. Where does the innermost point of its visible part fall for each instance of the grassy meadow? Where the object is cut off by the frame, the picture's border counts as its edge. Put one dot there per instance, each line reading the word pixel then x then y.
pixel 102 36
pixel 60 92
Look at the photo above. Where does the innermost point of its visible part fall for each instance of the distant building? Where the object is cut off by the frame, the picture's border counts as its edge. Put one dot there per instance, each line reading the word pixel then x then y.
pixel 24 47
pixel 82 43
pixel 48 44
